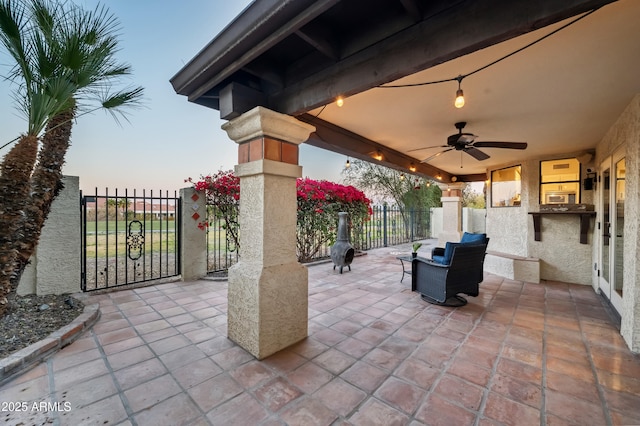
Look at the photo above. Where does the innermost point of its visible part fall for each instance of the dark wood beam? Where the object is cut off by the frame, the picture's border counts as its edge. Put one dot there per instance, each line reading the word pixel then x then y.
pixel 447 35
pixel 337 139
pixel 412 9
pixel 320 39
pixel 236 99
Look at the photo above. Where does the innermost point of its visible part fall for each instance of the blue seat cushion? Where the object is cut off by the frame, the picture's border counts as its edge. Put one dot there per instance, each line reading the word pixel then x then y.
pixel 448 254
pixel 470 238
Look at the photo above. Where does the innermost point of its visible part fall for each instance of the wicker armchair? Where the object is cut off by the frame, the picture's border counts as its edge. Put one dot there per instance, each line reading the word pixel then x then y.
pixel 440 284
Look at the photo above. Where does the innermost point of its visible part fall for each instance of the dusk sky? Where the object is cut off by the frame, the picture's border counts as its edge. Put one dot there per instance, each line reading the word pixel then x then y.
pixel 169 139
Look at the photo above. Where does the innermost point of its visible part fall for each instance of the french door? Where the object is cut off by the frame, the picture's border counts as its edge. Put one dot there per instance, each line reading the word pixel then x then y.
pixel 611 228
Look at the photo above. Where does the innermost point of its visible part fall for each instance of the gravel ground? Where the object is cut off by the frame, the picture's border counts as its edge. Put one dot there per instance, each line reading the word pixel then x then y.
pixel 32 318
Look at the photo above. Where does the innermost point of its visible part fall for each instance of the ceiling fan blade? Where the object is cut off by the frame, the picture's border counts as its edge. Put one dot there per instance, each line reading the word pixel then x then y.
pixel 476 153
pixel 494 144
pixel 428 147
pixel 437 154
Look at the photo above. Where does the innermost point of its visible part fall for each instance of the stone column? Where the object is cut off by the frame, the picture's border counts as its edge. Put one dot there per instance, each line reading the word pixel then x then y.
pixel 268 288
pixel 451 214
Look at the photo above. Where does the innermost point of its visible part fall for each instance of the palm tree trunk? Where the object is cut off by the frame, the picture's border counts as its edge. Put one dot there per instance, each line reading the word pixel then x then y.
pixel 15 186
pixel 46 184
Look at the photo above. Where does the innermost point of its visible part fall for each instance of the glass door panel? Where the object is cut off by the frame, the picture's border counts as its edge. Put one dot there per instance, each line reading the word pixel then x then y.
pixel 618 227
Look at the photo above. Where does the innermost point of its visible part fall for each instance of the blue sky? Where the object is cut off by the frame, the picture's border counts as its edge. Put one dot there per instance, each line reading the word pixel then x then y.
pixel 169 139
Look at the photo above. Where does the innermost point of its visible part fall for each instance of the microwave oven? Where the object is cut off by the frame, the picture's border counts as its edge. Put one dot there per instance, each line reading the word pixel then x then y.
pixel 560 198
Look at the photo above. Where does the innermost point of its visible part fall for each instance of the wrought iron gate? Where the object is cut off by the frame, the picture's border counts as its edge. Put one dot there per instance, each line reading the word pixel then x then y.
pixel 129 238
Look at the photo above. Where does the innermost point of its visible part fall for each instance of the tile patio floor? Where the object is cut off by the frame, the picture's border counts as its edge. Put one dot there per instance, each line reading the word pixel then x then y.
pixel 521 354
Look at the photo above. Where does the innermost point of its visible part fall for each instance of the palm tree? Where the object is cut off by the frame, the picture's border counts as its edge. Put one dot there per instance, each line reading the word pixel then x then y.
pixel 64 67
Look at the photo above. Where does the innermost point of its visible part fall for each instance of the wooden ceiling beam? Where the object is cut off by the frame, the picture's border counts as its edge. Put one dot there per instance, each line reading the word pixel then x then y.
pixel 449 34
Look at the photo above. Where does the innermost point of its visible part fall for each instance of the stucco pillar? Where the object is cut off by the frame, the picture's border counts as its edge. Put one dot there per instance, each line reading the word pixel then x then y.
pixel 268 288
pixel 55 266
pixel 451 214
pixel 193 246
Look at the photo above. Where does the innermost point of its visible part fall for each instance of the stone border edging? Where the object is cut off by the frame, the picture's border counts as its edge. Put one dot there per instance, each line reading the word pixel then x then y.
pixel 22 360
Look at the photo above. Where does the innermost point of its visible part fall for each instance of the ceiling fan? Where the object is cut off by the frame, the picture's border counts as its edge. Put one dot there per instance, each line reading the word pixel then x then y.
pixel 465 142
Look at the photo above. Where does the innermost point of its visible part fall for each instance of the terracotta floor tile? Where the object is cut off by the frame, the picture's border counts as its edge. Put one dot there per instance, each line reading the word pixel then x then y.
pixel 365 376
pixel 623 402
pixel 470 372
pixel 569 385
pixel 400 395
pixel 110 323
pixel 240 411
pixel 152 392
pixel 140 373
pixel 149 327
pixel 276 393
pixel 397 346
pixel 251 374
pixel 619 383
pixel 196 372
pixel 524 356
pixel 169 344
pixel 284 361
pixel 307 411
pixel 354 347
pixel 510 412
pixel 577 410
pixel 129 357
pixel 329 337
pixel 518 390
pixel 374 412
pixel 309 348
pixel 177 410
pixel 519 370
pixel 460 392
pixel 116 336
pixel 160 334
pixel 577 368
pixel 215 345
pixel 417 372
pixel 436 411
pixel 340 396
pixel 383 359
pixel 215 391
pixel 309 377
pixel 79 373
pixel 144 318
pixel 334 361
pixel 122 345
pixel 106 411
pixel 181 357
pixel 66 360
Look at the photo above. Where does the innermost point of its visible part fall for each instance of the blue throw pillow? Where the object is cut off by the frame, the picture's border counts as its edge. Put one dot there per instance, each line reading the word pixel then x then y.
pixel 448 253
pixel 470 238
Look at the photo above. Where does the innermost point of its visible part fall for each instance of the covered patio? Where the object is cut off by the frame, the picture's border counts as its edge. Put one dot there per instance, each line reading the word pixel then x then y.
pixel 519 353
pixel 376 80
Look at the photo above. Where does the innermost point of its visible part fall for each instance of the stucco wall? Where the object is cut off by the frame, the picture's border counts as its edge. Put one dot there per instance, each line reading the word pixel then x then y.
pixel 562 257
pixel 625 134
pixel 473 220
pixel 55 267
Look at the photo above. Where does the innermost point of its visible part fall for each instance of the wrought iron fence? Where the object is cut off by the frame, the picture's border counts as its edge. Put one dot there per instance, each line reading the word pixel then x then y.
pixel 129 238
pixel 387 226
pixel 222 250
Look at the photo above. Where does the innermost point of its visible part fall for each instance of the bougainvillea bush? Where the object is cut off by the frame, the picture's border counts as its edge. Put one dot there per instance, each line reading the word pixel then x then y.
pixel 223 203
pixel 319 203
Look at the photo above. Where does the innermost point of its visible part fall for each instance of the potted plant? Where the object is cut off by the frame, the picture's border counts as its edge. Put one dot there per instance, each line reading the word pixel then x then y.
pixel 416 246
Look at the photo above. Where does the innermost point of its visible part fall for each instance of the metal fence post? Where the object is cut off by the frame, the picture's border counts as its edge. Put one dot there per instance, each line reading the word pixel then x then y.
pixel 384 225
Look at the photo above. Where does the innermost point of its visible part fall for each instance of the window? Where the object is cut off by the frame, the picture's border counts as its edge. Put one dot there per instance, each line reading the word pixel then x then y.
pixel 506 187
pixel 560 181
